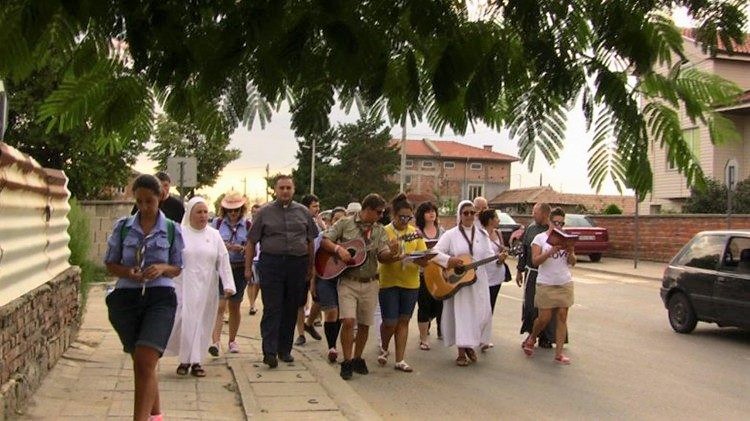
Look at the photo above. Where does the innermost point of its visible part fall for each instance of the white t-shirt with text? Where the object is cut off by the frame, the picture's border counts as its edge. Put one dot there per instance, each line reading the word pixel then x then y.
pixel 554 270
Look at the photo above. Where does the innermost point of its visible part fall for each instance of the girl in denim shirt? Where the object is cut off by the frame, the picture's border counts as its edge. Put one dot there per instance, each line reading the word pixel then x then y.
pixel 144 252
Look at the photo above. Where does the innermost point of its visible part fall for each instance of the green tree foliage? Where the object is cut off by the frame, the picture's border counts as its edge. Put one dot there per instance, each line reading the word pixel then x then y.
pixel 326 148
pixel 519 64
pixel 90 168
pixel 183 139
pixel 713 199
pixel 353 161
pixel 612 209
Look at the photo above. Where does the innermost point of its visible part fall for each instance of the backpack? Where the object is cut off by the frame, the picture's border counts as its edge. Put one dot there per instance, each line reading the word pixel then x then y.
pixel 125 229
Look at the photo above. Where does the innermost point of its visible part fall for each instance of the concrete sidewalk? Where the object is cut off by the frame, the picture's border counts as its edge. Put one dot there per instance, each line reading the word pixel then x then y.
pixel 646 269
pixel 94 379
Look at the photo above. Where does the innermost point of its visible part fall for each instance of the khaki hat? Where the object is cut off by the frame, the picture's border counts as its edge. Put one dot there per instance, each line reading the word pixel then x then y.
pixel 233 200
pixel 353 208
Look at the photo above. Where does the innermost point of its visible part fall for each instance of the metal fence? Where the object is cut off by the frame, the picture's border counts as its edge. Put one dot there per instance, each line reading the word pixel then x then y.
pixel 33 224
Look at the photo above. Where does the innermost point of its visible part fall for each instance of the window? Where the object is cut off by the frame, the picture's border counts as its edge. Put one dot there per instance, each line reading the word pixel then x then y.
pixel 449 165
pixel 409 163
pixel 733 255
pixel 475 166
pixel 703 252
pixel 428 164
pixel 578 221
pixel 693 140
pixel 475 190
pixel 407 179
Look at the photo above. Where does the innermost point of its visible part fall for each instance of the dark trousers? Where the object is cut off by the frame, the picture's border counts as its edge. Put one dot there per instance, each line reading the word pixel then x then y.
pixel 494 290
pixel 529 312
pixel 283 288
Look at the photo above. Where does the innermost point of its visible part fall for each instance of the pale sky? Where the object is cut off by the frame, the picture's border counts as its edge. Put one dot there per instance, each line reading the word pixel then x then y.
pixel 276 146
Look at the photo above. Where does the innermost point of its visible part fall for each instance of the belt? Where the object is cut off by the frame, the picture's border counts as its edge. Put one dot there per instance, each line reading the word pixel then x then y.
pixel 237 264
pixel 363 280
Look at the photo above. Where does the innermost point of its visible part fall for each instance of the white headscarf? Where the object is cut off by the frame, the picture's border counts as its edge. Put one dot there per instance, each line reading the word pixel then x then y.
pixel 189 208
pixel 458 210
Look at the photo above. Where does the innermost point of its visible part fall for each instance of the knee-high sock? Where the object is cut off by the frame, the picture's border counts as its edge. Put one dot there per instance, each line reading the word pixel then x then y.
pixel 332 332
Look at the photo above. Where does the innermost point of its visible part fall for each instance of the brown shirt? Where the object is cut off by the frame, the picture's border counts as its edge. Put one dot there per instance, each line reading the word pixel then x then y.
pixel 283 230
pixel 375 237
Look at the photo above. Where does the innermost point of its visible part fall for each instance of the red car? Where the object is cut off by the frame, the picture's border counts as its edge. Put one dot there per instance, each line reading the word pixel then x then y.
pixel 592 240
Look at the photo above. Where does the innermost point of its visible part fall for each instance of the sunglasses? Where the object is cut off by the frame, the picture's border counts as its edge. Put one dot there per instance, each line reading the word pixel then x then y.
pixel 405 217
pixel 468 213
pixel 558 223
pixel 233 210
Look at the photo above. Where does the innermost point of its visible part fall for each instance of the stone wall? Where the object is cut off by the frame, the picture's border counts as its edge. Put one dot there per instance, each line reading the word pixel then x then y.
pixel 661 236
pixel 102 216
pixel 35 330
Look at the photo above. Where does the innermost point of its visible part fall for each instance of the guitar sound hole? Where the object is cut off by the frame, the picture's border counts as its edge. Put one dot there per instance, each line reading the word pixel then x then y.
pixel 352 252
pixel 459 270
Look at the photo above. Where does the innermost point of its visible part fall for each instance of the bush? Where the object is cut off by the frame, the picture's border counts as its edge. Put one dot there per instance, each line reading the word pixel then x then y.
pixel 612 209
pixel 79 232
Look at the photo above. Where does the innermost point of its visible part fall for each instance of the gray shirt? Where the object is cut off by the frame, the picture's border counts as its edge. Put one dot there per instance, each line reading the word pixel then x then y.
pixel 283 229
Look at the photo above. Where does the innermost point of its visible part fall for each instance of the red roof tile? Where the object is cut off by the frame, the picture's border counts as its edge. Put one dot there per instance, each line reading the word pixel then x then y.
pixel 743 48
pixel 451 149
pixel 593 203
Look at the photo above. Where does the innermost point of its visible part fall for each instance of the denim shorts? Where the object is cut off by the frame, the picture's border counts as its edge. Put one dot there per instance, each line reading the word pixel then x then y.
pixel 327 293
pixel 238 272
pixel 397 302
pixel 142 320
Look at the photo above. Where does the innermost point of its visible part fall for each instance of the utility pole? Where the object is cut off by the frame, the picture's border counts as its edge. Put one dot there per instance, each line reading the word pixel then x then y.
pixel 244 186
pixel 402 178
pixel 312 167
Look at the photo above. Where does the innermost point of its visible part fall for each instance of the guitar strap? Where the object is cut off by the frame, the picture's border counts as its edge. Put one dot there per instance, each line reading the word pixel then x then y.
pixel 470 242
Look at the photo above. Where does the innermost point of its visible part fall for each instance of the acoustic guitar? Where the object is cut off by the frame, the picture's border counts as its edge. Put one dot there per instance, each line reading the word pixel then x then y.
pixel 443 283
pixel 328 265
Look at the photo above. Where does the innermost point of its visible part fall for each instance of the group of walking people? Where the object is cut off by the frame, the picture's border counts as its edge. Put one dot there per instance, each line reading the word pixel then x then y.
pixel 175 281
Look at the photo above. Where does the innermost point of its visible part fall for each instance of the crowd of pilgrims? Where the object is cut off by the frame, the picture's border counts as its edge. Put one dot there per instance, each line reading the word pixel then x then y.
pixel 179 272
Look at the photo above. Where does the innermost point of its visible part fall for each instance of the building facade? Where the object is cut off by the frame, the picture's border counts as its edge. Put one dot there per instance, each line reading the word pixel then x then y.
pixel 454 171
pixel 728 163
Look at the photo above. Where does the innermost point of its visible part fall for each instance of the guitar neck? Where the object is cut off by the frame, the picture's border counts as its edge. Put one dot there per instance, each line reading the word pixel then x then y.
pixel 478 263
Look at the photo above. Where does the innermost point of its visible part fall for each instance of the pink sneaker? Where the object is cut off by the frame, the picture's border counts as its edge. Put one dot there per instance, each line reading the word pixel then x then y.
pixel 157 417
pixel 234 348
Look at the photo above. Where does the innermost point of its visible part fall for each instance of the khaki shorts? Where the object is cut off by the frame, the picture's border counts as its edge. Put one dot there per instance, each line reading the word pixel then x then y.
pixel 358 300
pixel 554 296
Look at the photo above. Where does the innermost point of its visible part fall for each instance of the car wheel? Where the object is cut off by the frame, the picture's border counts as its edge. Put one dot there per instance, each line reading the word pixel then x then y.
pixel 595 257
pixel 681 314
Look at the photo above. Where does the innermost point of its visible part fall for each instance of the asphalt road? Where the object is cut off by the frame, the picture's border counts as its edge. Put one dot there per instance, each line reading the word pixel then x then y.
pixel 627 363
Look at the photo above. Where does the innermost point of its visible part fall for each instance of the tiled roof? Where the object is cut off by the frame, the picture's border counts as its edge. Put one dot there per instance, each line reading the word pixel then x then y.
pixel 592 202
pixel 451 149
pixel 743 48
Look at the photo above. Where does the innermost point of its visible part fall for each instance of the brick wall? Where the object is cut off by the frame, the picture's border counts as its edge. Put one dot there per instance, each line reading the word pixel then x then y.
pixel 35 330
pixel 102 216
pixel 661 236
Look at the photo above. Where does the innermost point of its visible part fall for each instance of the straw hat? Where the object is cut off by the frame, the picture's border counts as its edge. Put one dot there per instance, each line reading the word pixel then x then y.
pixel 233 200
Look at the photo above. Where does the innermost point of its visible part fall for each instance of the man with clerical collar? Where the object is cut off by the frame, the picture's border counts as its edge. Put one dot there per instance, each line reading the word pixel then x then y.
pixel 286 232
pixel 359 287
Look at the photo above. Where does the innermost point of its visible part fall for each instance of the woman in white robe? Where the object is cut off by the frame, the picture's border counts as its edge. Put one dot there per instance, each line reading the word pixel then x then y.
pixel 467 319
pixel 205 259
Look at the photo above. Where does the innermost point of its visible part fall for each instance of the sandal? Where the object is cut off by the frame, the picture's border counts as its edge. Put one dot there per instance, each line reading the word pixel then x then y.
pixel 528 347
pixel 485 347
pixel 197 371
pixel 562 359
pixel 383 357
pixel 424 346
pixel 182 369
pixel 471 354
pixel 403 366
pixel 462 361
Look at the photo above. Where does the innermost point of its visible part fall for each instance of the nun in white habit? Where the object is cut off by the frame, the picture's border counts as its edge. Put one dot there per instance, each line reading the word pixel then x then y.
pixel 205 259
pixel 467 318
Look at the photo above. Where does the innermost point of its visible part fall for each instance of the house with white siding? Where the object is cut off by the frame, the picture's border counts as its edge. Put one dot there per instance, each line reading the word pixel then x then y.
pixel 727 163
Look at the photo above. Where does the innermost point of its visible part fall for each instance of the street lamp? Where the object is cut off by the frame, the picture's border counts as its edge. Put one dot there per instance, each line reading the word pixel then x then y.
pixel 730 174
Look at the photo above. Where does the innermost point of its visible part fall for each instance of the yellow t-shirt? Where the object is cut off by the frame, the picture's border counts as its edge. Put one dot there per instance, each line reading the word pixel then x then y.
pixel 398 274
